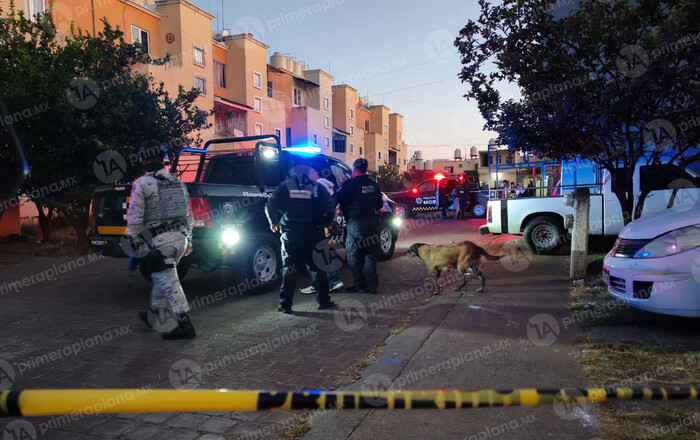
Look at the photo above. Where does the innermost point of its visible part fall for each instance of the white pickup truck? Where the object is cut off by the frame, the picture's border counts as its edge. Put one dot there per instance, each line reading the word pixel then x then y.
pixel 541 220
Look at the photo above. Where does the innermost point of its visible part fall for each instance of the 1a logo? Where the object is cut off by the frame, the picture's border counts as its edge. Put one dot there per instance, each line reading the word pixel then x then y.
pixel 7 374
pixel 82 93
pixel 351 315
pixel 542 329
pixel 109 166
pixel 185 374
pixel 19 430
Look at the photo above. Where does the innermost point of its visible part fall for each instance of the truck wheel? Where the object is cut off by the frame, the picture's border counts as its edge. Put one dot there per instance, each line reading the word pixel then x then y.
pixel 263 265
pixel 182 268
pixel 479 210
pixel 386 242
pixel 544 235
pixel 403 211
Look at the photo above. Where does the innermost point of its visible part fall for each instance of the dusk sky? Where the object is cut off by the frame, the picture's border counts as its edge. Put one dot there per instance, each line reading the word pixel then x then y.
pixel 400 53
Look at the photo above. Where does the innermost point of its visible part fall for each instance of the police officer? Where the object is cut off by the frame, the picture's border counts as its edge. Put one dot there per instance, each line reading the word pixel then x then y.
pixel 360 200
pixel 302 209
pixel 159 214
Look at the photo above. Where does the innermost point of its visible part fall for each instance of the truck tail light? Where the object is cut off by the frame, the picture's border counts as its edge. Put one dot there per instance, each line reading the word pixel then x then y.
pixel 201 213
pixel 489 210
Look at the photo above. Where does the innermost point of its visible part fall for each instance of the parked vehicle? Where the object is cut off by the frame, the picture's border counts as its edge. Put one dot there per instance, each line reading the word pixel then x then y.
pixel 655 264
pixel 541 220
pixel 432 194
pixel 228 192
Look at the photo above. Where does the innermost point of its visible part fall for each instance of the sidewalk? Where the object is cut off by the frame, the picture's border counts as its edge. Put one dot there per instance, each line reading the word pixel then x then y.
pixel 515 335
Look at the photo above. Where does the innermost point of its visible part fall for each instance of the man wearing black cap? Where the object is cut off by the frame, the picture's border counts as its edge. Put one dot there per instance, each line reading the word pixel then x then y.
pixel 360 200
pixel 302 209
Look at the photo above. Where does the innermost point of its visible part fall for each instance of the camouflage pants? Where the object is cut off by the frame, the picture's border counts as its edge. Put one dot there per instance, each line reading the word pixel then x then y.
pixel 166 284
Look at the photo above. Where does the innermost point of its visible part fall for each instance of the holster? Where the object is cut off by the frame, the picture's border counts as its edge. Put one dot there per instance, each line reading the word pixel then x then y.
pixel 154 262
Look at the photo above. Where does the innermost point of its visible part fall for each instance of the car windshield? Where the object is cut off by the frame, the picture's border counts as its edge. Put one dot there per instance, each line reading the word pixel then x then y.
pixel 242 170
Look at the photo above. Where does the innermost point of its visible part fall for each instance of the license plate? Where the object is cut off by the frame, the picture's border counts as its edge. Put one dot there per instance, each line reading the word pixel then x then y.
pixel 99 243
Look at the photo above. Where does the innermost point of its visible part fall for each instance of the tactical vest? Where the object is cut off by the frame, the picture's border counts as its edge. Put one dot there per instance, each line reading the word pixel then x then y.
pixel 172 204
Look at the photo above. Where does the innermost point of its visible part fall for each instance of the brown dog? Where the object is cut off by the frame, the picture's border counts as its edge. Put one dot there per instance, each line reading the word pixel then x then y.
pixel 464 256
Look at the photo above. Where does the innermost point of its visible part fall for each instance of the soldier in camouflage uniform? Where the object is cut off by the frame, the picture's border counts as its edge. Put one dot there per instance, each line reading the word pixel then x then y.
pixel 159 214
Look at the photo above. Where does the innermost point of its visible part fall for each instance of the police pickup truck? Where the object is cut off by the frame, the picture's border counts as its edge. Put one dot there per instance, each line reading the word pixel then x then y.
pixel 432 195
pixel 229 182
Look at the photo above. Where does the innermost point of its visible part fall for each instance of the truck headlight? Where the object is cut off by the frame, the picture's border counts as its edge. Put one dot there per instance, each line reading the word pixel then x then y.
pixel 671 243
pixel 397 221
pixel 230 237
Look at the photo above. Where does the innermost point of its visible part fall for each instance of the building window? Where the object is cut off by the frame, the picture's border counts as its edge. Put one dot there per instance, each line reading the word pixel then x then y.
pixel 297 98
pixel 338 143
pixel 367 126
pixel 257 80
pixel 386 143
pixel 258 129
pixel 33 7
pixel 142 37
pixel 386 129
pixel 352 114
pixel 219 74
pixel 352 131
pixel 198 56
pixel 257 104
pixel 314 139
pixel 399 135
pixel 352 148
pixel 326 122
pixel 359 150
pixel 379 155
pixel 270 90
pixel 404 161
pixel 200 83
pixel 326 103
pixel 328 142
pixel 278 133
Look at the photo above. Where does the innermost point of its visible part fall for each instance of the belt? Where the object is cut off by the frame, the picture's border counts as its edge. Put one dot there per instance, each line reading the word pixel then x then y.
pixel 173 226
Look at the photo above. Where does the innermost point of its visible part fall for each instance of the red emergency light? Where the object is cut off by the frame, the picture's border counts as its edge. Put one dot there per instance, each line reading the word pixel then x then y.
pixel 439 176
pixel 414 190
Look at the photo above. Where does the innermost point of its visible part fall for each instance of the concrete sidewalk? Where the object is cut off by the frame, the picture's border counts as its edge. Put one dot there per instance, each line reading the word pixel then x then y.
pixel 518 334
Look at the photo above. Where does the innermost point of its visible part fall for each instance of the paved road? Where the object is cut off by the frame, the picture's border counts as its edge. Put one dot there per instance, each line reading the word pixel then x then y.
pixel 80 330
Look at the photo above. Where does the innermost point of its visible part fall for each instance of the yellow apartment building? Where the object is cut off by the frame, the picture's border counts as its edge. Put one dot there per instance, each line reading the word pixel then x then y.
pixel 348 136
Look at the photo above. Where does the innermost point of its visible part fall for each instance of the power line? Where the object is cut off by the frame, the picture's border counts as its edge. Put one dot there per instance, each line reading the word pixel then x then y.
pixel 409 67
pixel 414 87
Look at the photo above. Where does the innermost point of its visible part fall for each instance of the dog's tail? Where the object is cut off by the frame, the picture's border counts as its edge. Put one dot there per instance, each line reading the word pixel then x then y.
pixel 488 256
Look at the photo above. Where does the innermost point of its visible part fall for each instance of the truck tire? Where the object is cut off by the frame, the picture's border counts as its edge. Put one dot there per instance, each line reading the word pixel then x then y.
pixel 264 265
pixel 387 242
pixel 544 235
pixel 479 210
pixel 403 211
pixel 182 268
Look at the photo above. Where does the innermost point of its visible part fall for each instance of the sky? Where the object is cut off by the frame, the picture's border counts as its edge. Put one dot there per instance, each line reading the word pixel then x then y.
pixel 399 52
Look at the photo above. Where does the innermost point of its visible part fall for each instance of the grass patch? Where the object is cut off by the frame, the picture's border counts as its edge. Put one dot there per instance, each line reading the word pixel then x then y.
pixel 623 364
pixel 296 430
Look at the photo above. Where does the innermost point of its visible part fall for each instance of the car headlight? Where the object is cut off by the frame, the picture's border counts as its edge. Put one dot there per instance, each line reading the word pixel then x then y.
pixel 671 243
pixel 397 221
pixel 230 237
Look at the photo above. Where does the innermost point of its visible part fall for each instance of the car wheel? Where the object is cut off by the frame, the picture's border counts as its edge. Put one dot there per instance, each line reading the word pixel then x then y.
pixel 544 235
pixel 479 210
pixel 263 265
pixel 402 211
pixel 182 268
pixel 387 243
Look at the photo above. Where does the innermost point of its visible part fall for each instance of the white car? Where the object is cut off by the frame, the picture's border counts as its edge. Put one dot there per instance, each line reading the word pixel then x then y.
pixel 655 264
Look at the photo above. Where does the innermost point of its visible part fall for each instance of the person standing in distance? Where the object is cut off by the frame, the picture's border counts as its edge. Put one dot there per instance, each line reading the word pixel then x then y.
pixel 159 214
pixel 360 200
pixel 301 208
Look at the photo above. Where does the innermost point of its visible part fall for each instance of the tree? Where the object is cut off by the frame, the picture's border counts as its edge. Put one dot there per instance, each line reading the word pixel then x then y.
pixel 93 108
pixel 613 81
pixel 390 176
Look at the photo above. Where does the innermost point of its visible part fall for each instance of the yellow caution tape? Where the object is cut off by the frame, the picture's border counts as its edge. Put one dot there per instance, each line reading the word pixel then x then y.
pixel 29 403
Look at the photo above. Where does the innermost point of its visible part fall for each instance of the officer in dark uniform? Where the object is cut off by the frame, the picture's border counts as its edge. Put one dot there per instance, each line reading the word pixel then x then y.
pixel 302 209
pixel 360 200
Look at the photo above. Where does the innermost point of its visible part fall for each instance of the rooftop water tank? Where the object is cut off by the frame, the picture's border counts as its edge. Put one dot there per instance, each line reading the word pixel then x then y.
pixel 279 61
pixel 458 154
pixel 473 152
pixel 428 165
pixel 419 155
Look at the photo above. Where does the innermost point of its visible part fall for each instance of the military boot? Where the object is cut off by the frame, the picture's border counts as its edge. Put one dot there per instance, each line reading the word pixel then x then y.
pixel 184 329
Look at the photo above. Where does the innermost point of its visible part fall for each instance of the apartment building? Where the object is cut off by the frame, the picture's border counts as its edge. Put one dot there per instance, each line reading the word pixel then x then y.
pixel 397 147
pixel 348 138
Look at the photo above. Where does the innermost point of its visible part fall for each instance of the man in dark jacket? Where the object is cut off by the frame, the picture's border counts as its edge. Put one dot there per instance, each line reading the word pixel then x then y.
pixel 360 200
pixel 301 209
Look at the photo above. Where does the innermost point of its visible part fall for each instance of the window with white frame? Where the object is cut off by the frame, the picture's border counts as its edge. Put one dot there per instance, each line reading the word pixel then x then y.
pixel 352 114
pixel 326 103
pixel 359 150
pixel 199 56
pixel 386 129
pixel 379 155
pixel 219 74
pixel 33 7
pixel 142 37
pixel 352 148
pixel 352 131
pixel 258 129
pixel 200 83
pixel 328 142
pixel 386 143
pixel 297 98
pixel 314 139
pixel 257 104
pixel 257 80
pixel 326 122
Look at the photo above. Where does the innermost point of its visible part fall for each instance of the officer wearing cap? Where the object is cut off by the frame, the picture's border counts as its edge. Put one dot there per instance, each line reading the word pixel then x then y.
pixel 360 200
pixel 159 215
pixel 301 208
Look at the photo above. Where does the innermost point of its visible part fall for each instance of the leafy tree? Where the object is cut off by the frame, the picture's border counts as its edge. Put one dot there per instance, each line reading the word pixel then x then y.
pixel 390 176
pixel 613 81
pixel 97 108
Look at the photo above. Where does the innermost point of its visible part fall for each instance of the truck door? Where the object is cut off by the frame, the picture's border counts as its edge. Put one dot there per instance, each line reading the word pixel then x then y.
pixel 427 197
pixel 660 181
